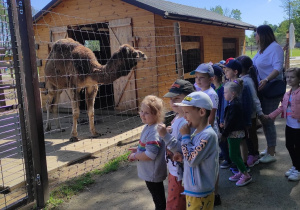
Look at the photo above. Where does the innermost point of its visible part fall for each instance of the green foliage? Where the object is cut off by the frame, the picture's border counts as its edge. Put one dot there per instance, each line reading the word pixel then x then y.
pixel 217 9
pixel 76 185
pixel 112 165
pixel 235 13
pixel 251 55
pixel 250 40
pixel 94 45
pixel 295 52
pixel 292 10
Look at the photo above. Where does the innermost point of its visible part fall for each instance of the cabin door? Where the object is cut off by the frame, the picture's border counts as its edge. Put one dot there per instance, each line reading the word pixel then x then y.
pixel 120 32
pixel 58 33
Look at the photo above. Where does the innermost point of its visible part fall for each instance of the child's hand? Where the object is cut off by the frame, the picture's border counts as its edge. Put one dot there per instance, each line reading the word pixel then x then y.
pixel 221 125
pixel 264 118
pixel 169 129
pixel 178 157
pixel 185 129
pixel 131 157
pixel 161 129
pixel 169 154
pixel 132 149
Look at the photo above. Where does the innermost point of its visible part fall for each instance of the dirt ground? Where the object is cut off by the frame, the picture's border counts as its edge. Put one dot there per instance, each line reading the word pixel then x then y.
pixel 269 190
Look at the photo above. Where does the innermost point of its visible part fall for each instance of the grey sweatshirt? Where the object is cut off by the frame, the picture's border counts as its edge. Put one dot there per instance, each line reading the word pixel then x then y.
pixel 154 170
pixel 201 162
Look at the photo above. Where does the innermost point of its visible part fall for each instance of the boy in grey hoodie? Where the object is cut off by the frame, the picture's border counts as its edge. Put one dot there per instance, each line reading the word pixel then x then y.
pixel 200 152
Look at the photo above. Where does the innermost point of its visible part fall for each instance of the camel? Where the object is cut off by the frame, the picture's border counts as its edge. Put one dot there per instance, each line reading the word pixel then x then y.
pixel 73 67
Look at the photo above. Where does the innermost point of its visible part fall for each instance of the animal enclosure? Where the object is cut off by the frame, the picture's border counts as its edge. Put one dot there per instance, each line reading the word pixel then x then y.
pixel 76 75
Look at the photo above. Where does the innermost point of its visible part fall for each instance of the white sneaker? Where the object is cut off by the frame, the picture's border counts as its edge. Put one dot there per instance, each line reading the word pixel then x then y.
pixel 295 176
pixel 267 159
pixel 264 152
pixel 290 171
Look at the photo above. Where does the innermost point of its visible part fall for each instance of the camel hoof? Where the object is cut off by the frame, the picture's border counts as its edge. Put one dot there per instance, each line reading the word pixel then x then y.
pixel 95 135
pixel 74 139
pixel 48 128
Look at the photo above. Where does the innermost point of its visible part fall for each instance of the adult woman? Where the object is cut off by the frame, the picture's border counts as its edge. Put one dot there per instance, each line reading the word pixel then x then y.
pixel 269 64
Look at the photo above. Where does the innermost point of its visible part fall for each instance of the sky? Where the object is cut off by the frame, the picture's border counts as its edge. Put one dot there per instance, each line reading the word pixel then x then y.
pixel 254 12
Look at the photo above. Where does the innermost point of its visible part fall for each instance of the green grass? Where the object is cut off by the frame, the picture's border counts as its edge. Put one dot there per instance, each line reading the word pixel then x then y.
pixel 72 187
pixel 248 53
pixel 295 52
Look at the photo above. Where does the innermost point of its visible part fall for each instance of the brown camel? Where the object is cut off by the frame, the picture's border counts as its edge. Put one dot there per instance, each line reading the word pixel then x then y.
pixel 72 66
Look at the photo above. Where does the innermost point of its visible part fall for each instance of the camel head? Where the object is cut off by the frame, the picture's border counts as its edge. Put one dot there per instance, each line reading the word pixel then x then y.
pixel 125 59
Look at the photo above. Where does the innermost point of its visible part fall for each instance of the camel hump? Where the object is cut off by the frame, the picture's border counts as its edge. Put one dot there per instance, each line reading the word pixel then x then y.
pixel 64 45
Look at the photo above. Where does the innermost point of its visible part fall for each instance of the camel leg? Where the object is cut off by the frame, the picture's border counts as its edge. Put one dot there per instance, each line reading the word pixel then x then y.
pixel 75 111
pixel 55 110
pixel 50 96
pixel 90 95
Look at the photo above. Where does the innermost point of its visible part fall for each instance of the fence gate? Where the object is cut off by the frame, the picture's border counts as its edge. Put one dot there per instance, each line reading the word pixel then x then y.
pixel 23 171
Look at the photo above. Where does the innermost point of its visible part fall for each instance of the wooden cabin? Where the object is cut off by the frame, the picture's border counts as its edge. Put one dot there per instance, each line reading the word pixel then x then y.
pixel 146 25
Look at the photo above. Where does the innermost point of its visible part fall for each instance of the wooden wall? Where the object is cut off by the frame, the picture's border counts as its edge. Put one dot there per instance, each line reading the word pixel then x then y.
pixel 79 12
pixel 212 47
pixel 155 37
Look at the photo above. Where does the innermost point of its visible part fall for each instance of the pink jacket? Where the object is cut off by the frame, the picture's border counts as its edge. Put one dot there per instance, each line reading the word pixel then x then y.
pixel 284 104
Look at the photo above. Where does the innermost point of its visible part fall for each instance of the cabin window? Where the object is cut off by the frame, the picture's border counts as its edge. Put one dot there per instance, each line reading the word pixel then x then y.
pixel 230 48
pixel 192 52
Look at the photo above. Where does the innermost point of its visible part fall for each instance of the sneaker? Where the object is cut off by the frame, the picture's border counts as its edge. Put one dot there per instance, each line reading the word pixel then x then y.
pixel 236 177
pixel 264 152
pixel 217 200
pixel 236 170
pixel 290 171
pixel 225 164
pixel 252 160
pixel 243 180
pixel 295 176
pixel 267 159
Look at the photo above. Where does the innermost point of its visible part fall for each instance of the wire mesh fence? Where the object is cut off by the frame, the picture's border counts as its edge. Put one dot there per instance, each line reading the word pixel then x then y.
pixel 92 74
pixel 13 181
pixel 84 65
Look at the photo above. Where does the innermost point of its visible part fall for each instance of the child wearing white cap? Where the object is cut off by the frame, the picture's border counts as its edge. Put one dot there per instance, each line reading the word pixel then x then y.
pixel 200 152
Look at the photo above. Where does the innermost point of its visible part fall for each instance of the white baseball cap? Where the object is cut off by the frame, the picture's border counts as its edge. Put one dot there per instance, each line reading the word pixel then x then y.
pixel 197 99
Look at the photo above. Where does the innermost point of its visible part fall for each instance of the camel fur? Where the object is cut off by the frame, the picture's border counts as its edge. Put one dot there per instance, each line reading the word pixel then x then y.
pixel 71 66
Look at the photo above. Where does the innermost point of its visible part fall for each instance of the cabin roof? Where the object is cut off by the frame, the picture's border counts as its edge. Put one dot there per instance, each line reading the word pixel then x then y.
pixel 174 11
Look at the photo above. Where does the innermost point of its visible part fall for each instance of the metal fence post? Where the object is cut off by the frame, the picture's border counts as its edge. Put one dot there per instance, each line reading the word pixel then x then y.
pixel 32 102
pixel 12 14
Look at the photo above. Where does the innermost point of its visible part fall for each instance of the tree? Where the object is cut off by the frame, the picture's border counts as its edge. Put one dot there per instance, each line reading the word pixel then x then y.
pixel 292 10
pixel 250 40
pixel 235 13
pixel 218 9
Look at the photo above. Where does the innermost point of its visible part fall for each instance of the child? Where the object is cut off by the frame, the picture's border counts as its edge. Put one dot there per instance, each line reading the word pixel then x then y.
pixel 234 130
pixel 290 109
pixel 150 152
pixel 204 75
pixel 219 88
pixel 233 69
pixel 179 90
pixel 200 152
pixel 248 76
